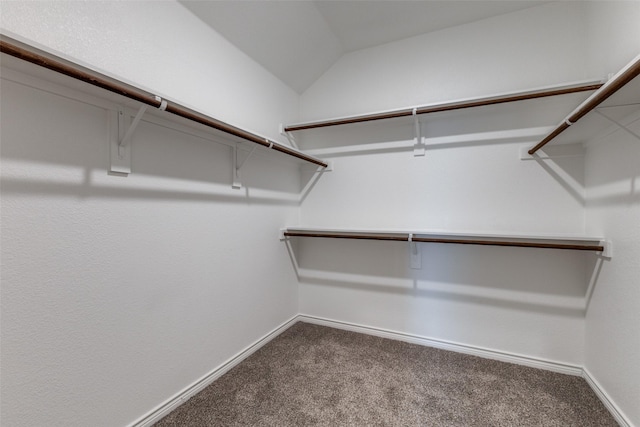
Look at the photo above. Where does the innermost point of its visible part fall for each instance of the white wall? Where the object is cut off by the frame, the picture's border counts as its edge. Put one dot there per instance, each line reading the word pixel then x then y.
pixel 522 301
pixel 612 345
pixel 613 38
pixel 161 46
pixel 613 209
pixel 117 293
pixel 535 303
pixel 518 51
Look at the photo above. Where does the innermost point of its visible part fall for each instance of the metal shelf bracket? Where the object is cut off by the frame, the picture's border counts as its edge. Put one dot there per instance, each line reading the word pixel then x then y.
pixel 122 130
pixel 237 165
pixel 419 149
pixel 132 127
pixel 608 248
pixel 289 136
pixel 414 254
pixel 121 133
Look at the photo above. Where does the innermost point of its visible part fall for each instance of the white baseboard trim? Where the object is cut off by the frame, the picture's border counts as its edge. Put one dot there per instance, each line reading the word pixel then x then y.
pixel 486 353
pixel 606 400
pixel 178 399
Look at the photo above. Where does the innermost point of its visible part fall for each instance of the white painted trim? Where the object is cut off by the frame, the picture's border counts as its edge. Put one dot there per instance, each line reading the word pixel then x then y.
pixel 615 411
pixel 178 399
pixel 486 353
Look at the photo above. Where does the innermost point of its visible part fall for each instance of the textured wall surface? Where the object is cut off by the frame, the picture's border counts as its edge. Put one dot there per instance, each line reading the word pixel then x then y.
pixel 517 51
pixel 162 46
pixel 513 300
pixel 613 322
pixel 525 301
pixel 612 343
pixel 117 293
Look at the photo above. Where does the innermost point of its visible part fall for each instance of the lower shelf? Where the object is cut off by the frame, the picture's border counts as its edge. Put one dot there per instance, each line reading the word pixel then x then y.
pixel 578 243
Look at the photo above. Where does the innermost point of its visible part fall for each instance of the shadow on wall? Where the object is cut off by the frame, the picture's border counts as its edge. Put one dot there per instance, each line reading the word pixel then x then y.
pixel 529 279
pixel 56 146
pixel 568 172
pixel 614 183
pixel 617 182
pixel 524 124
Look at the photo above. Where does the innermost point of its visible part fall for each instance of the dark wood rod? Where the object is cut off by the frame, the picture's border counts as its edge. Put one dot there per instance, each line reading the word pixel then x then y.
pixel 290 151
pixel 445 107
pixel 509 98
pixel 398 238
pixel 59 65
pixel 592 102
pixel 576 247
pixel 405 238
pixel 79 73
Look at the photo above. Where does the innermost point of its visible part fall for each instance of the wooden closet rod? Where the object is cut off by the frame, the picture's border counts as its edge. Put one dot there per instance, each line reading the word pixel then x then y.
pixel 446 106
pixel 366 236
pixel 62 66
pixel 454 240
pixel 574 247
pixel 627 74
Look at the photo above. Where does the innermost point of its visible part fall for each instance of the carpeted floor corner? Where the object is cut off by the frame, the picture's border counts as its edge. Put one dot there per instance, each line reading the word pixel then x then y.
pixel 318 376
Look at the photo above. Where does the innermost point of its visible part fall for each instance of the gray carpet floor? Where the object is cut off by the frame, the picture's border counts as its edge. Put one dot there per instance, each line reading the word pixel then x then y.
pixel 318 376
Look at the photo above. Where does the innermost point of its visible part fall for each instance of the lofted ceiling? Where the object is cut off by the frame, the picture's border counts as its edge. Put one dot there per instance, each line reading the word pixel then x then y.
pixel 298 41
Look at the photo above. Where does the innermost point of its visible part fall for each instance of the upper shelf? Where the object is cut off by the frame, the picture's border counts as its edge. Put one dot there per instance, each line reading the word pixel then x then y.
pixel 579 243
pixel 621 91
pixel 511 97
pixel 514 117
pixel 31 54
pixel 532 111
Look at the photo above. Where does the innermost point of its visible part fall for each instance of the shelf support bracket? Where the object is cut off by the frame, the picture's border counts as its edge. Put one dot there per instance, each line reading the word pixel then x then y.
pixel 289 136
pixel 237 165
pixel 415 254
pixel 608 248
pixel 132 127
pixel 419 148
pixel 122 130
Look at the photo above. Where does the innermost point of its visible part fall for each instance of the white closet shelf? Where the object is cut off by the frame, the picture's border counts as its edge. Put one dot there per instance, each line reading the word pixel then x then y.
pixel 143 98
pixel 579 243
pixel 462 104
pixel 622 90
